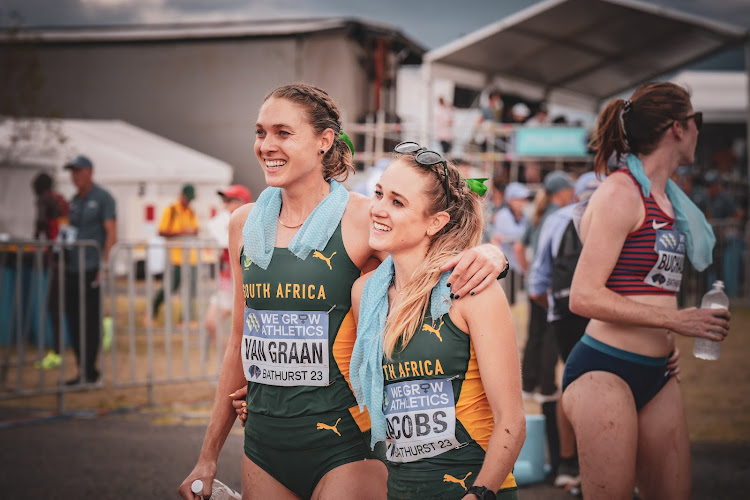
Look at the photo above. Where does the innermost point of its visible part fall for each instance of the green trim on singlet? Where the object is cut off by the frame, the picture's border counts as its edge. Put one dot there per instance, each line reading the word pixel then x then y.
pixel 330 288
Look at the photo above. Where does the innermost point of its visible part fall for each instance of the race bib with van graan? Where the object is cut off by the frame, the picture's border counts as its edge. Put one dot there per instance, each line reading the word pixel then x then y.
pixel 670 249
pixel 420 419
pixel 286 348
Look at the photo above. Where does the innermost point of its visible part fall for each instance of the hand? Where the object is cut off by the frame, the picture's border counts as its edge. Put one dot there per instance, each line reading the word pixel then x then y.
pixel 474 269
pixel 239 404
pixel 711 324
pixel 673 365
pixel 206 472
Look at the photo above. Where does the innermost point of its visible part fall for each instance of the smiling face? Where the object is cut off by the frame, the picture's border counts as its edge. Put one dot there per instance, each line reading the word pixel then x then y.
pixel 398 211
pixel 286 144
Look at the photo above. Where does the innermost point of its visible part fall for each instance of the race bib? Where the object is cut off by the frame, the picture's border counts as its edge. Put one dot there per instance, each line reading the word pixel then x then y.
pixel 420 419
pixel 286 348
pixel 670 249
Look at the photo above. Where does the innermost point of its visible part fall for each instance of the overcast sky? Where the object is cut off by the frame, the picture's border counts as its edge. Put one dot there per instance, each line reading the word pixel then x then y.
pixel 431 23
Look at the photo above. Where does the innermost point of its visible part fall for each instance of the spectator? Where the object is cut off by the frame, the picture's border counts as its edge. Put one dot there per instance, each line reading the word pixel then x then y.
pixel 92 217
pixel 179 223
pixel 726 218
pixel 540 352
pixel 511 222
pixel 549 284
pixel 51 211
pixel 541 116
pixel 490 116
pixel 444 125
pixel 519 113
pixel 220 305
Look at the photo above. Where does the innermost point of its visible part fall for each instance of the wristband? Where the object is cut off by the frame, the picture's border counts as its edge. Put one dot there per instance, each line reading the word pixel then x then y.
pixel 505 270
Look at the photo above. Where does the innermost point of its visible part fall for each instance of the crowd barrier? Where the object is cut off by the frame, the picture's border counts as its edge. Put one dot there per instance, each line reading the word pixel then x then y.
pixel 135 350
pixel 176 347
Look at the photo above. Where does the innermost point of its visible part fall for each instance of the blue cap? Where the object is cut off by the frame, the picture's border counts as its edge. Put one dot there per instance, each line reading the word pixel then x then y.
pixel 711 177
pixel 516 190
pixel 586 184
pixel 79 161
pixel 556 181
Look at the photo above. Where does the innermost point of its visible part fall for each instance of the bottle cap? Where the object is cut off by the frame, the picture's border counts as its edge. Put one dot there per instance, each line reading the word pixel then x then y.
pixel 197 487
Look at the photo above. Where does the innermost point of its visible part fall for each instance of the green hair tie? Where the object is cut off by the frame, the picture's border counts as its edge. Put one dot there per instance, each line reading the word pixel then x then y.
pixel 345 138
pixel 477 185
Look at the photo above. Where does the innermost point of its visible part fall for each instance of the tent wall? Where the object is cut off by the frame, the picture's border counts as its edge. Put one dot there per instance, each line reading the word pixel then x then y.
pixel 202 92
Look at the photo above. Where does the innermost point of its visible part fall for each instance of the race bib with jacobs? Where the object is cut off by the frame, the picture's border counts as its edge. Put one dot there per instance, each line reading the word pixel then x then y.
pixel 420 419
pixel 670 249
pixel 286 348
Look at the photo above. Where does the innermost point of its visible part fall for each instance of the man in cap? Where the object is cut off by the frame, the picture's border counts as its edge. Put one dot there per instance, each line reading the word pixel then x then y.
pixel 220 305
pixel 178 223
pixel 550 277
pixel 511 222
pixel 91 218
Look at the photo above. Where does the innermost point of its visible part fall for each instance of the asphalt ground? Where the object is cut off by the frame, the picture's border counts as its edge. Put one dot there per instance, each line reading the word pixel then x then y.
pixel 146 453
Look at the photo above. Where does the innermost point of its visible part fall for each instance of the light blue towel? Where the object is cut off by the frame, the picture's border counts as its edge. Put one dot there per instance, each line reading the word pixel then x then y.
pixel 366 366
pixel 688 217
pixel 259 232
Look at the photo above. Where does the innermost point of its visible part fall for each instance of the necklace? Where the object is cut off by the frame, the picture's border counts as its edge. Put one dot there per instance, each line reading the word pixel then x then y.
pixel 291 227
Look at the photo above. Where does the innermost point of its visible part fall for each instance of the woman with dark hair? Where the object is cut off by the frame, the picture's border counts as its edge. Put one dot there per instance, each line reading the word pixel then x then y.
pixel 440 378
pixel 295 254
pixel 619 394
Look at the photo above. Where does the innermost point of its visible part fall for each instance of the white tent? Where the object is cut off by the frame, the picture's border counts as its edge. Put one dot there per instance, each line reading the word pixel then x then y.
pixel 722 96
pixel 143 171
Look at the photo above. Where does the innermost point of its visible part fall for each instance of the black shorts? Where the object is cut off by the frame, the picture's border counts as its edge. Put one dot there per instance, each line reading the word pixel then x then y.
pixel 299 451
pixel 646 375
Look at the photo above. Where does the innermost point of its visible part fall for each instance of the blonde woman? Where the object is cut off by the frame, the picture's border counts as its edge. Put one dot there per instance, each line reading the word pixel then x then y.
pixel 440 378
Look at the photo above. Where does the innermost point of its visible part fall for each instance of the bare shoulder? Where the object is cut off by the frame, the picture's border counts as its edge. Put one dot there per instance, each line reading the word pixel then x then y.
pixel 237 221
pixel 617 188
pixel 358 206
pixel 359 285
pixel 488 302
pixel 616 204
pixel 357 288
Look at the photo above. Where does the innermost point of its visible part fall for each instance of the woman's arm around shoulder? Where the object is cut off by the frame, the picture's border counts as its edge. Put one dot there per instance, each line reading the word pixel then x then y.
pixel 488 320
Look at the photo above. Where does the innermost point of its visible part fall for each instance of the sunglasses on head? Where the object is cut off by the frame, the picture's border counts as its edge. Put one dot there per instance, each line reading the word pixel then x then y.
pixel 697 116
pixel 427 158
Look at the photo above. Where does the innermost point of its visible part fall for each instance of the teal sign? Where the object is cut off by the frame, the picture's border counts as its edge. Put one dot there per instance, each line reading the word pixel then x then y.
pixel 551 141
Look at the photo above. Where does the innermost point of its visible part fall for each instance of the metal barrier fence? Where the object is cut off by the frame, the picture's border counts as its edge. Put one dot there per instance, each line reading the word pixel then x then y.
pixel 134 350
pixel 137 351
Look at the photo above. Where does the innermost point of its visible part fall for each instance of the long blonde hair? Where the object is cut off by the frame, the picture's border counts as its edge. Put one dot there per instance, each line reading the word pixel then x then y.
pixel 463 230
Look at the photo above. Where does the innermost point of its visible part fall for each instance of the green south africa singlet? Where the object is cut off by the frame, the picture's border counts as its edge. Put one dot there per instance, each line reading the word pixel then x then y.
pixel 438 418
pixel 299 332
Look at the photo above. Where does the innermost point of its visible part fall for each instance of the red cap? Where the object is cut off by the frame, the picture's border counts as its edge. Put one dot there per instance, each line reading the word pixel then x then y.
pixel 237 191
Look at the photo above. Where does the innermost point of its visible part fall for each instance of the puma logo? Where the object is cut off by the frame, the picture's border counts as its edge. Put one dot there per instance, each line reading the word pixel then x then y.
pixel 433 330
pixel 658 226
pixel 450 479
pixel 322 257
pixel 333 428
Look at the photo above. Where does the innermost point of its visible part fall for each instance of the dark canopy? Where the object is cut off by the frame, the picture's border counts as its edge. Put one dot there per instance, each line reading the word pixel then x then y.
pixel 590 49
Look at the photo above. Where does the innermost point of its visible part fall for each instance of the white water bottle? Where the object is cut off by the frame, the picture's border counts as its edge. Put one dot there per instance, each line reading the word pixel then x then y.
pixel 219 490
pixel 714 299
